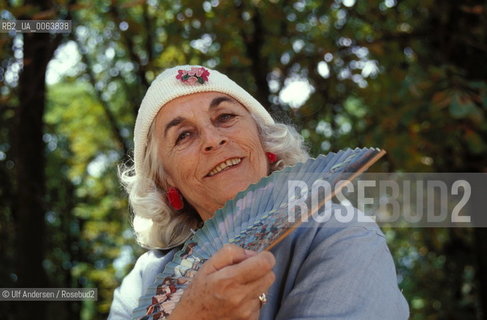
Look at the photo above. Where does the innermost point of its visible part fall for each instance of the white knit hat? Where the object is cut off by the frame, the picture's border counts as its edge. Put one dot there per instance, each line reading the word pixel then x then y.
pixel 180 81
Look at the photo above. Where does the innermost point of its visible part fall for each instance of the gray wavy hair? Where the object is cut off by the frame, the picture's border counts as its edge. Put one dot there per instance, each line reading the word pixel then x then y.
pixel 155 223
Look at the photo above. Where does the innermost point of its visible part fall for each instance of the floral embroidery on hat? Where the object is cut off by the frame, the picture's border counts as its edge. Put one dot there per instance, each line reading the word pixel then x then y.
pixel 194 75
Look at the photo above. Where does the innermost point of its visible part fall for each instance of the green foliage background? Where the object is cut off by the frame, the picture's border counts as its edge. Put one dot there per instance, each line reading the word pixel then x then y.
pixel 408 76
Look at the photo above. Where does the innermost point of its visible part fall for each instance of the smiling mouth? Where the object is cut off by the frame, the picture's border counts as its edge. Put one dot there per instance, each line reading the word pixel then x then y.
pixel 225 165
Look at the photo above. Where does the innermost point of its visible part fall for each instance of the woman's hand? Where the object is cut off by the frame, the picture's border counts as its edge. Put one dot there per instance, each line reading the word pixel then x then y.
pixel 227 286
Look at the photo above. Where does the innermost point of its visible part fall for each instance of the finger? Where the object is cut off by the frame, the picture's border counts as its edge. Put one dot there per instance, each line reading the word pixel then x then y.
pixel 253 299
pixel 262 285
pixel 252 268
pixel 228 255
pixel 248 309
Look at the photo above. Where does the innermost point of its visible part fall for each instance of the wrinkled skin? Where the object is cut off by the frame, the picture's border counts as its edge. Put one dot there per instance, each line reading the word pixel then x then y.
pixel 196 134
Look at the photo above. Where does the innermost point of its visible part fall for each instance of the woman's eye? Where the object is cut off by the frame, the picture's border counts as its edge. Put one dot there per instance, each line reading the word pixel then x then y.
pixel 182 136
pixel 225 117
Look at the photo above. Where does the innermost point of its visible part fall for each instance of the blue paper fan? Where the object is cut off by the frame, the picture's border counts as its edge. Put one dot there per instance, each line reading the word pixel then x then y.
pixel 256 219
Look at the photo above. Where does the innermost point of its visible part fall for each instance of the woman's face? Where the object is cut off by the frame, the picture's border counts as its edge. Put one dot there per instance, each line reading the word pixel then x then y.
pixel 209 148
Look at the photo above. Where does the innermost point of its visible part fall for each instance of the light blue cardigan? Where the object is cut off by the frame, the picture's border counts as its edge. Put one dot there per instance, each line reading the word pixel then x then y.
pixel 331 270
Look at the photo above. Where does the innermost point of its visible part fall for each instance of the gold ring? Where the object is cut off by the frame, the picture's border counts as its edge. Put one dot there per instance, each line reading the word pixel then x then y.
pixel 262 299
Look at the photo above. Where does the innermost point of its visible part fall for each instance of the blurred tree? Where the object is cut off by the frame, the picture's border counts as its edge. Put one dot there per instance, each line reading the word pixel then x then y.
pixel 27 203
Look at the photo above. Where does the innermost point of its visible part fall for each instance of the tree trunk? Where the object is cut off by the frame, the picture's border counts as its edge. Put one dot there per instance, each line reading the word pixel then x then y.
pixel 29 161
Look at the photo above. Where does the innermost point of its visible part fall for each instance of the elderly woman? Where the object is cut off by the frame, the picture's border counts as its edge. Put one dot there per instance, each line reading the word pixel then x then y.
pixel 199 140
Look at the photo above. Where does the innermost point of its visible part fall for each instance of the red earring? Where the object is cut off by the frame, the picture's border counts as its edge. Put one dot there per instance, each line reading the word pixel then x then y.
pixel 272 157
pixel 175 199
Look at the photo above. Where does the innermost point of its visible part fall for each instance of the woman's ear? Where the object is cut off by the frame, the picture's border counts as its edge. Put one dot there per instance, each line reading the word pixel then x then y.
pixel 163 184
pixel 164 180
pixel 169 182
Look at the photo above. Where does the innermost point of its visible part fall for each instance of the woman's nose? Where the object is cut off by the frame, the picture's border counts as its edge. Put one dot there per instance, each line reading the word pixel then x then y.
pixel 213 139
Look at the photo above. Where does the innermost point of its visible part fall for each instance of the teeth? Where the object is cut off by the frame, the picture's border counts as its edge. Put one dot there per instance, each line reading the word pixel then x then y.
pixel 224 165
